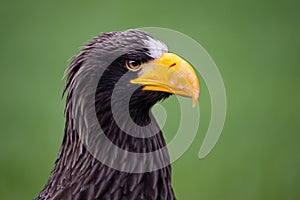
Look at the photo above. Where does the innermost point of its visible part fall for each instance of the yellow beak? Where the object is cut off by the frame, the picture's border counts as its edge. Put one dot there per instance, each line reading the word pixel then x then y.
pixel 170 73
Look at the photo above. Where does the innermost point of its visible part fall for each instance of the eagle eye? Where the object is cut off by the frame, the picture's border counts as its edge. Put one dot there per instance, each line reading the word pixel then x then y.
pixel 133 65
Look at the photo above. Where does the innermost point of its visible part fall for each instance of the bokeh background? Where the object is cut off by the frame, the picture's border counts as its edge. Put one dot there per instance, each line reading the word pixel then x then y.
pixel 255 44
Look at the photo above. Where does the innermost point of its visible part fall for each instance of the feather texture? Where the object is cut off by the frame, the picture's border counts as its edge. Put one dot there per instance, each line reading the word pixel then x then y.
pixel 77 174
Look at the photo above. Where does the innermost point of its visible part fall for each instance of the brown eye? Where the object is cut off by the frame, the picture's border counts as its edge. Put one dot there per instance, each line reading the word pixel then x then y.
pixel 133 65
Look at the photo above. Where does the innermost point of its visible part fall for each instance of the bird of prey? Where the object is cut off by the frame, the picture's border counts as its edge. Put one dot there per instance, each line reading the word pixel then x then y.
pixel 133 71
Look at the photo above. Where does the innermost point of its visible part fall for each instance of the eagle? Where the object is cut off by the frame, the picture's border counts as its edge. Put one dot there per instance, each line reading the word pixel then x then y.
pixel 110 131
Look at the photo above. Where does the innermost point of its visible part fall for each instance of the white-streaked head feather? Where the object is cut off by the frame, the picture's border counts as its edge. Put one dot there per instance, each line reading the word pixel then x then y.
pixel 156 47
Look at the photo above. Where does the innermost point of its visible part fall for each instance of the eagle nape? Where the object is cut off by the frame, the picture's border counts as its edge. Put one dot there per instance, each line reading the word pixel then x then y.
pixel 137 71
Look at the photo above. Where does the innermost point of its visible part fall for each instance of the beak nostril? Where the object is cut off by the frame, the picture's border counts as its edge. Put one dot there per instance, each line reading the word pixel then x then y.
pixel 172 65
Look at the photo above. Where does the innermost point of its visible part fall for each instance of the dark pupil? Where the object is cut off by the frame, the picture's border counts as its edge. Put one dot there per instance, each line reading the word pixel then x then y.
pixel 134 63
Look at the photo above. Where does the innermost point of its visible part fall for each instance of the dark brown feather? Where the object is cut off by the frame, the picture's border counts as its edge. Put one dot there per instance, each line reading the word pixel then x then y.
pixel 77 175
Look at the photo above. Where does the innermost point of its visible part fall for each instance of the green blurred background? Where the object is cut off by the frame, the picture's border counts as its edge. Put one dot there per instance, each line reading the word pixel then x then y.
pixel 255 44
